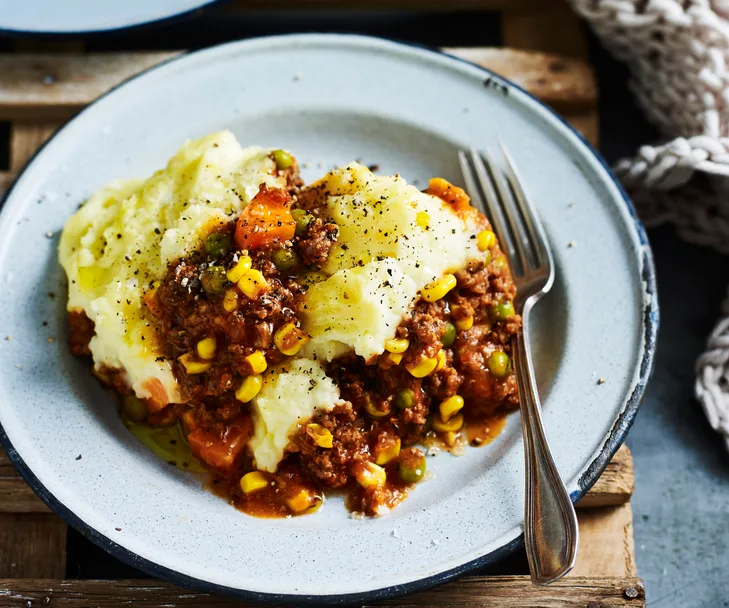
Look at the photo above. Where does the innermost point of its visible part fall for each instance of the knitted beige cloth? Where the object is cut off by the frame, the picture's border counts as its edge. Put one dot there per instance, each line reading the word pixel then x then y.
pixel 678 54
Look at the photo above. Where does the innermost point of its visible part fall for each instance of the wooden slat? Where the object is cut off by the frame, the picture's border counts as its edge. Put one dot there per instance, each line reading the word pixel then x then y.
pixel 615 485
pixel 25 139
pixel 46 86
pixel 6 179
pixel 606 542
pixel 551 27
pixel 484 592
pixel 32 545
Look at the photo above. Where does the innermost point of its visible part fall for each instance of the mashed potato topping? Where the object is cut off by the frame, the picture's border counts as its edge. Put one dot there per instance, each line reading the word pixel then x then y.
pixel 123 237
pixel 394 240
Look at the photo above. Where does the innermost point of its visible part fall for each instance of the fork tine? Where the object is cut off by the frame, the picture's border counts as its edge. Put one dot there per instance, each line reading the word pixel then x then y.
pixel 529 216
pixel 471 185
pixel 493 207
pixel 510 210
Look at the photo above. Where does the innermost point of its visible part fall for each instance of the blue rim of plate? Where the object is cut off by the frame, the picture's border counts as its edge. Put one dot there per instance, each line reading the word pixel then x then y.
pixel 615 439
pixel 126 29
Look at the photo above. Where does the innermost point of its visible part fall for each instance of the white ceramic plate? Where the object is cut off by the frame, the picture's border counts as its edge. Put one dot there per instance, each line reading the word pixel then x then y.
pixel 330 99
pixel 87 16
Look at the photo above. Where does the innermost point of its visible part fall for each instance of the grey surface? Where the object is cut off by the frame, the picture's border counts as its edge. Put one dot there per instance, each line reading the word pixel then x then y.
pixel 681 501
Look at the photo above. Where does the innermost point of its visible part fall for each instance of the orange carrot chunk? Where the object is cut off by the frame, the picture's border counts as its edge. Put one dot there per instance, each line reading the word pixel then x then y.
pixel 265 220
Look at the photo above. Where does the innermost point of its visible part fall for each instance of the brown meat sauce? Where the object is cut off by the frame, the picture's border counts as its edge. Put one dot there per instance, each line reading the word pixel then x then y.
pixel 371 419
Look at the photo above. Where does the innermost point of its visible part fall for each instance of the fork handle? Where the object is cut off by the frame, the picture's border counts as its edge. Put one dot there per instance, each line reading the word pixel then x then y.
pixel 550 522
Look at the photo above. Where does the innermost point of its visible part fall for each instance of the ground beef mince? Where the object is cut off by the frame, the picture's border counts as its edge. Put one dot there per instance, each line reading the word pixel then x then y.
pixel 81 330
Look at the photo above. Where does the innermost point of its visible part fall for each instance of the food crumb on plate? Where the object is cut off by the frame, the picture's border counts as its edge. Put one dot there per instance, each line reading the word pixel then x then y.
pixel 601 381
pixel 51 339
pixel 298 76
pixel 117 529
pixel 8 338
pixel 49 235
pixel 571 244
pixel 78 457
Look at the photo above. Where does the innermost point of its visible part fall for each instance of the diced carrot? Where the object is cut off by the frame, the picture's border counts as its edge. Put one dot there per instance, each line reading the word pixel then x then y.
pixel 157 399
pixel 453 195
pixel 221 453
pixel 267 218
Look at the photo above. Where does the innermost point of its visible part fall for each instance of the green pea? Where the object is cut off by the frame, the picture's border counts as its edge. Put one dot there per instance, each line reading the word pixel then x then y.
pixel 502 310
pixel 411 465
pixel 499 363
pixel 213 280
pixel 218 244
pixel 283 159
pixel 405 398
pixel 134 409
pixel 285 259
pixel 449 336
pixel 303 219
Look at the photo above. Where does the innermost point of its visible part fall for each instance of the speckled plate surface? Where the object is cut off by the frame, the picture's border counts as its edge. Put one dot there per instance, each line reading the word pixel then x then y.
pixel 75 17
pixel 329 99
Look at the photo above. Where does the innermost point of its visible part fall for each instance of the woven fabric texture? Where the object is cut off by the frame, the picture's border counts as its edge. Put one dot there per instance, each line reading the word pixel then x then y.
pixel 678 55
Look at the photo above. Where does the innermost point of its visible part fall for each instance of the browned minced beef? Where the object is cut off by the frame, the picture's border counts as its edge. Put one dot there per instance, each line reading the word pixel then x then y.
pixel 81 330
pixel 317 241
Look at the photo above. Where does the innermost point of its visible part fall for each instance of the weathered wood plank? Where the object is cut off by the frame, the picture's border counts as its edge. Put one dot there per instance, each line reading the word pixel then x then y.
pixel 485 592
pixel 606 542
pixel 26 138
pixel 32 545
pixel 42 86
pixel 549 27
pixel 6 179
pixel 615 485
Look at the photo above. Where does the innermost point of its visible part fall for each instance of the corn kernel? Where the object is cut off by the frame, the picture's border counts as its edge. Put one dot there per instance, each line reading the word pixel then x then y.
pixel 257 361
pixel 301 501
pixel 371 475
pixel 450 438
pixel 450 406
pixel 192 366
pixel 464 324
pixel 252 283
pixel 390 452
pixel 438 289
pixel 397 346
pixel 321 436
pixel 440 360
pixel 249 388
pixel 230 300
pixel 424 368
pixel 454 423
pixel 206 348
pixel 396 358
pixel 289 339
pixel 253 481
pixel 422 219
pixel 485 240
pixel 234 274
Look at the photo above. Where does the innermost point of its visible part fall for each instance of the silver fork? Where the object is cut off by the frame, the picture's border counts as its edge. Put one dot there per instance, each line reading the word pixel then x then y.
pixel 550 522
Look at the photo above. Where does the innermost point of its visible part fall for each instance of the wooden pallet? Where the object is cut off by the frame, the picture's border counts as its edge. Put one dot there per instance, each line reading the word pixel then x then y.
pixel 546 56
